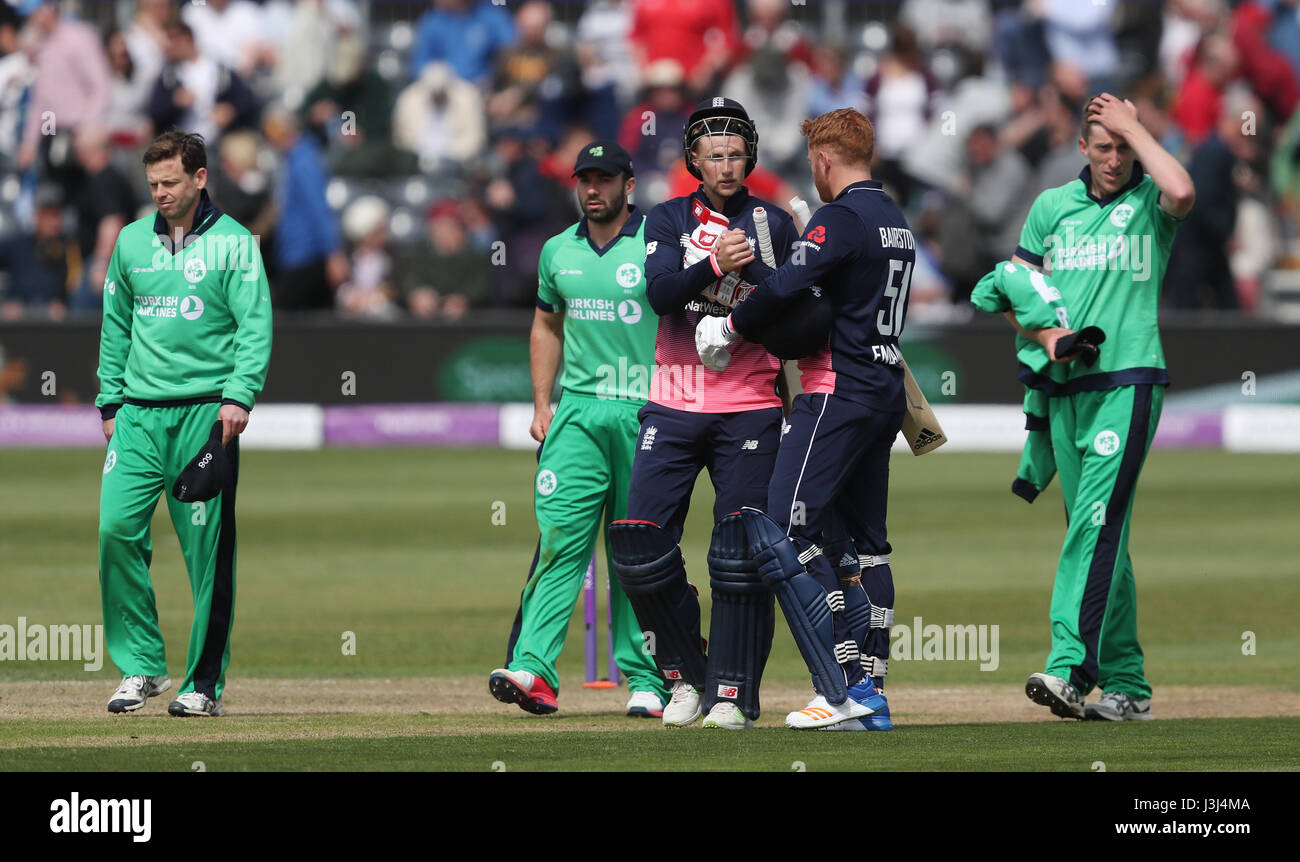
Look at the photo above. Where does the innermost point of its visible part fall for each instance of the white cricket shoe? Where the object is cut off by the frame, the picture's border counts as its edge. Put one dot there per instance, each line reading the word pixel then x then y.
pixel 863 700
pixel 728 716
pixel 645 704
pixel 194 703
pixel 1055 693
pixel 1115 706
pixel 135 690
pixel 683 707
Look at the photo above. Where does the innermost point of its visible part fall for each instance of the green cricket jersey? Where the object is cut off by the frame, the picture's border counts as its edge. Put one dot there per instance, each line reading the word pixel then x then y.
pixel 609 329
pixel 1036 304
pixel 195 324
pixel 1108 258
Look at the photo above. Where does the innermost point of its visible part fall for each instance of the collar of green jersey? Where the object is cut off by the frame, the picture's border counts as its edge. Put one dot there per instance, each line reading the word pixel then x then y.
pixel 205 216
pixel 630 227
pixel 1134 179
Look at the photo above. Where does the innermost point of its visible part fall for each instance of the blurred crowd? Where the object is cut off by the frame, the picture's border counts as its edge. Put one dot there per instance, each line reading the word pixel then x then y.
pixel 408 159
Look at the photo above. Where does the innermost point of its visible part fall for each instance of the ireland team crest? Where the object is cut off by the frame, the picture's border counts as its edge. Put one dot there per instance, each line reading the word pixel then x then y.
pixel 1106 443
pixel 629 276
pixel 546 483
pixel 195 270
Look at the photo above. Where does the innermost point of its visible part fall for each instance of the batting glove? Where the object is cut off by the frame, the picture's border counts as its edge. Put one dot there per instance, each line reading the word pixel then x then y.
pixel 712 336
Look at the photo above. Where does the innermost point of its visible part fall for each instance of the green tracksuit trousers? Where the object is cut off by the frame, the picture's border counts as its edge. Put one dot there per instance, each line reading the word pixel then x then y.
pixel 149 448
pixel 581 487
pixel 1100 441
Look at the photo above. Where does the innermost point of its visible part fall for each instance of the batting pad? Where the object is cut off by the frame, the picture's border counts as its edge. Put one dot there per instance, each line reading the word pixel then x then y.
pixel 743 620
pixel 802 600
pixel 650 569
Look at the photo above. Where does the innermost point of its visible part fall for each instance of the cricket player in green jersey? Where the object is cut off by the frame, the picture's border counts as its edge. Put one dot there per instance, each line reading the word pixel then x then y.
pixel 185 345
pixel 592 313
pixel 1105 240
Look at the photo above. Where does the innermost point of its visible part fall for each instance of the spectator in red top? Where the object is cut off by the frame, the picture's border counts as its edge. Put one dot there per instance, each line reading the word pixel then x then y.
pixel 1214 65
pixel 1267 70
pixel 701 35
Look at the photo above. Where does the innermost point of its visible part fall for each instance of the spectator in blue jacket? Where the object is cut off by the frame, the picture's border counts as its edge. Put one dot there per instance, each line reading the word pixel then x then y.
pixel 467 34
pixel 308 254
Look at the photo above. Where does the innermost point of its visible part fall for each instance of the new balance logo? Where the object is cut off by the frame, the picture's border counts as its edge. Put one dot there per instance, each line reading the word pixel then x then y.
pixel 672 674
pixel 729 691
pixel 648 439
pixel 749 445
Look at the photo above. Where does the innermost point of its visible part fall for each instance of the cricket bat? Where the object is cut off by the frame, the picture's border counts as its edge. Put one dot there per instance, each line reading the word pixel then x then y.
pixel 921 428
pixel 784 388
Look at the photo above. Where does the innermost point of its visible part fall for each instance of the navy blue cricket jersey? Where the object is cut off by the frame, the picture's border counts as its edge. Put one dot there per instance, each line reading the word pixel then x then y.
pixel 681 293
pixel 858 251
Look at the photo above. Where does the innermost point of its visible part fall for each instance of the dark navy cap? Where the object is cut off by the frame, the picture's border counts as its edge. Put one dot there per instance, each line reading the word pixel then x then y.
pixel 605 156
pixel 205 476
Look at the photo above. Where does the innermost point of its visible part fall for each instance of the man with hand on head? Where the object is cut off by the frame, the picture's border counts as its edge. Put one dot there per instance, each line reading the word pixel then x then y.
pixel 183 354
pixel 831 478
pixel 592 314
pixel 1104 239
pixel 700 263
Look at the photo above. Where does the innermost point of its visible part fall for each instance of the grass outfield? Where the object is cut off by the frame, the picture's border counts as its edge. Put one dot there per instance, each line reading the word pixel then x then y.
pixel 401 549
pixel 362 743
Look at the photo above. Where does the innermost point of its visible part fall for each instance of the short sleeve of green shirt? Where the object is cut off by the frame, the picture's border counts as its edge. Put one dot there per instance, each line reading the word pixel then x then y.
pixel 1038 225
pixel 548 298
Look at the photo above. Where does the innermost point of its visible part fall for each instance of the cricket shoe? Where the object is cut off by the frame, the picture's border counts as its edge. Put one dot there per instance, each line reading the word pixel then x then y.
pixel 878 720
pixel 683 707
pixel 528 690
pixel 194 703
pixel 864 699
pixel 645 704
pixel 135 690
pixel 1055 693
pixel 1115 706
pixel 728 716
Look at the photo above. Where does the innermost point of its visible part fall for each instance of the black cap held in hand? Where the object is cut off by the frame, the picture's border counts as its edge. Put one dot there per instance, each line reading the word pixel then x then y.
pixel 205 476
pixel 1086 342
pixel 605 156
